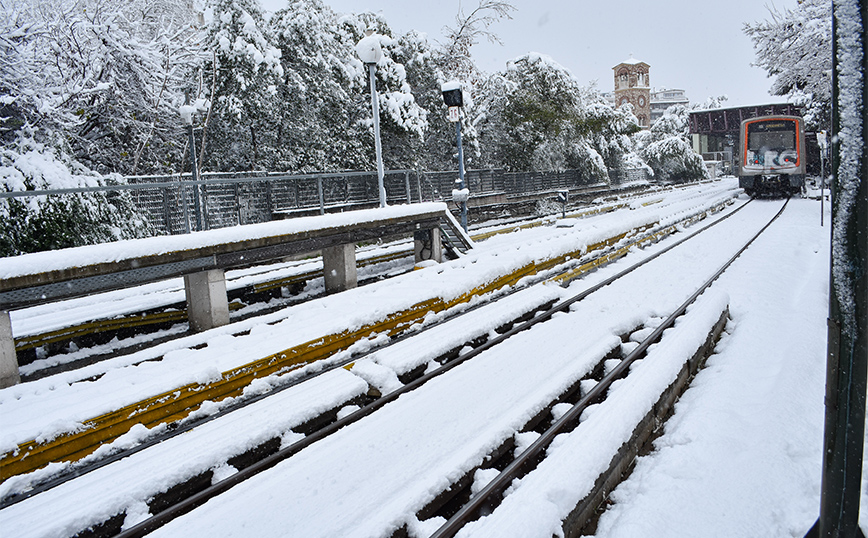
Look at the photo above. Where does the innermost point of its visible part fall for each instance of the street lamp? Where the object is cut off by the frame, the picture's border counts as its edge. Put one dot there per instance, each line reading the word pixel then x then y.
pixel 454 99
pixel 371 53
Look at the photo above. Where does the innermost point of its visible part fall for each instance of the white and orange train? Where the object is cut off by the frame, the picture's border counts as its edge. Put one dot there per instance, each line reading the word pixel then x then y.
pixel 773 156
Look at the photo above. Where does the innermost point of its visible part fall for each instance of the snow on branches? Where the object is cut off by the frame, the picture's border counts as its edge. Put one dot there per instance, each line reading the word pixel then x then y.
pixel 795 47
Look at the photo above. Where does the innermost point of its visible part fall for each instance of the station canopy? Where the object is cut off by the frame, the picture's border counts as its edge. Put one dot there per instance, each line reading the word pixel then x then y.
pixel 723 121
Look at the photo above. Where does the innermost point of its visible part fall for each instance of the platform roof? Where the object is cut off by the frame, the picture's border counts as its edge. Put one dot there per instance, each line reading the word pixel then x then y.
pixel 723 121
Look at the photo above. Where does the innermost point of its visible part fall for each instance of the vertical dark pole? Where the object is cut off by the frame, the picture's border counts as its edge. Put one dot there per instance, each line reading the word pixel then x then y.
pixel 194 171
pixel 319 192
pixel 461 184
pixel 847 363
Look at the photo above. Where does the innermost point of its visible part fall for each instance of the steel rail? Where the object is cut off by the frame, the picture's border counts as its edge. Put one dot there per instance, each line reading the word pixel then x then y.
pixel 192 502
pixel 534 452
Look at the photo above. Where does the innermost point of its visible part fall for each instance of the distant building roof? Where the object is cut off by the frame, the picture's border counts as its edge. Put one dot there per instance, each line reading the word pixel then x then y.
pixel 631 61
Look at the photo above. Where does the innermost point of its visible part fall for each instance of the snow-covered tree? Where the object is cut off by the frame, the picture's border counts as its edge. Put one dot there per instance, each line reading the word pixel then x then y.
pixel 241 129
pixel 667 149
pixel 795 47
pixel 103 72
pixel 468 30
pixel 536 116
pixel 319 110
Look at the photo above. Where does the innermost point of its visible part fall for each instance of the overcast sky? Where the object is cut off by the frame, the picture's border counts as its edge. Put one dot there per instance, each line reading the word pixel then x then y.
pixel 697 46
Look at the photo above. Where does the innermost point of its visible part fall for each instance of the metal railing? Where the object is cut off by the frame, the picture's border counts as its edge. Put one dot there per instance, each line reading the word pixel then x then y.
pixel 176 204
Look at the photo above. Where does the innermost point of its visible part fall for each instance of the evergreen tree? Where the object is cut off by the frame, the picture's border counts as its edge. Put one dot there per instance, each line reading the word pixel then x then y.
pixel 248 71
pixel 320 110
pixel 536 116
pixel 402 121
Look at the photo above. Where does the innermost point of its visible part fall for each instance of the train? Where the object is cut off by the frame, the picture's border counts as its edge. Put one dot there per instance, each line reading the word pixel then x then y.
pixel 772 155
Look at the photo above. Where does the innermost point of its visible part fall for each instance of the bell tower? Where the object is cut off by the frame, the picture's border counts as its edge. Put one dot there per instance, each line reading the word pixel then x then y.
pixel 633 85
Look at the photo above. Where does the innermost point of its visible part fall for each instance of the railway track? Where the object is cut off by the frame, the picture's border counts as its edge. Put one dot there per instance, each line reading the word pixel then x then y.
pixel 612 363
pixel 250 462
pixel 252 292
pixel 486 500
pixel 174 405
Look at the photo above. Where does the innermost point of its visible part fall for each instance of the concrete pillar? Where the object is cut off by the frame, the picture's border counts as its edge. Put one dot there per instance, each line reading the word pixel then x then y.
pixel 8 360
pixel 207 304
pixel 339 268
pixel 428 245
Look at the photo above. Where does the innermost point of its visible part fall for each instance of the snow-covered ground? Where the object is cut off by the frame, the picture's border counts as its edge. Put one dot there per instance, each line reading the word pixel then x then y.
pixel 741 456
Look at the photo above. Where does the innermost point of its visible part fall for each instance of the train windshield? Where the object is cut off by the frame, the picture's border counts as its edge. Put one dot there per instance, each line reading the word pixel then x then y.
pixel 771 144
pixel 778 135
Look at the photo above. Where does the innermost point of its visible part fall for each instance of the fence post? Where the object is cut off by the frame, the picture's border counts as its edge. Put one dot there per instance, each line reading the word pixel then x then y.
pixel 183 188
pixel 167 219
pixel 269 204
pixel 206 222
pixel 407 185
pixel 297 194
pixel 319 190
pixel 237 204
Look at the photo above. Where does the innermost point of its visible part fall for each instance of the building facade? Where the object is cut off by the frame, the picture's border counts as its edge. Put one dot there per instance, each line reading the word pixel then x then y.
pixel 663 98
pixel 633 85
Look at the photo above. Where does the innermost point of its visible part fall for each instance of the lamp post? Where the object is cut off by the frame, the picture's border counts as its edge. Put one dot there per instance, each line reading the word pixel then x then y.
pixel 187 115
pixel 454 99
pixel 371 53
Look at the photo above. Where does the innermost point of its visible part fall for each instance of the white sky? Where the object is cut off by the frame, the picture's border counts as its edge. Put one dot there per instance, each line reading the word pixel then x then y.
pixel 693 45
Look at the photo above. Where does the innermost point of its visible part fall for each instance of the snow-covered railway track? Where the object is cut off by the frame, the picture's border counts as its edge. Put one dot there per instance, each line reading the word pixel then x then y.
pixel 354 390
pixel 157 313
pixel 175 404
pixel 649 401
pixel 348 463
pixel 110 324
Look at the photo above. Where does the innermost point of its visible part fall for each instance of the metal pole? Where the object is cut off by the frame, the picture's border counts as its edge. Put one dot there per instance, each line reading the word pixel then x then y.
pixel 194 173
pixel 847 360
pixel 321 199
pixel 461 185
pixel 379 151
pixel 822 186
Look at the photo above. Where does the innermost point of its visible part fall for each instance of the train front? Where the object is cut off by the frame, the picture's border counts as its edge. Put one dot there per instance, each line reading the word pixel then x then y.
pixel 772 155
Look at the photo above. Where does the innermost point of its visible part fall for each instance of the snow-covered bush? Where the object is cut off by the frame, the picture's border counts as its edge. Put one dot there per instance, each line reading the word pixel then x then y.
pixel 36 223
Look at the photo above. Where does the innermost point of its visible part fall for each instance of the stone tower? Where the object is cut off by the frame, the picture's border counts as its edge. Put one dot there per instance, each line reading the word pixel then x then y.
pixel 632 85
